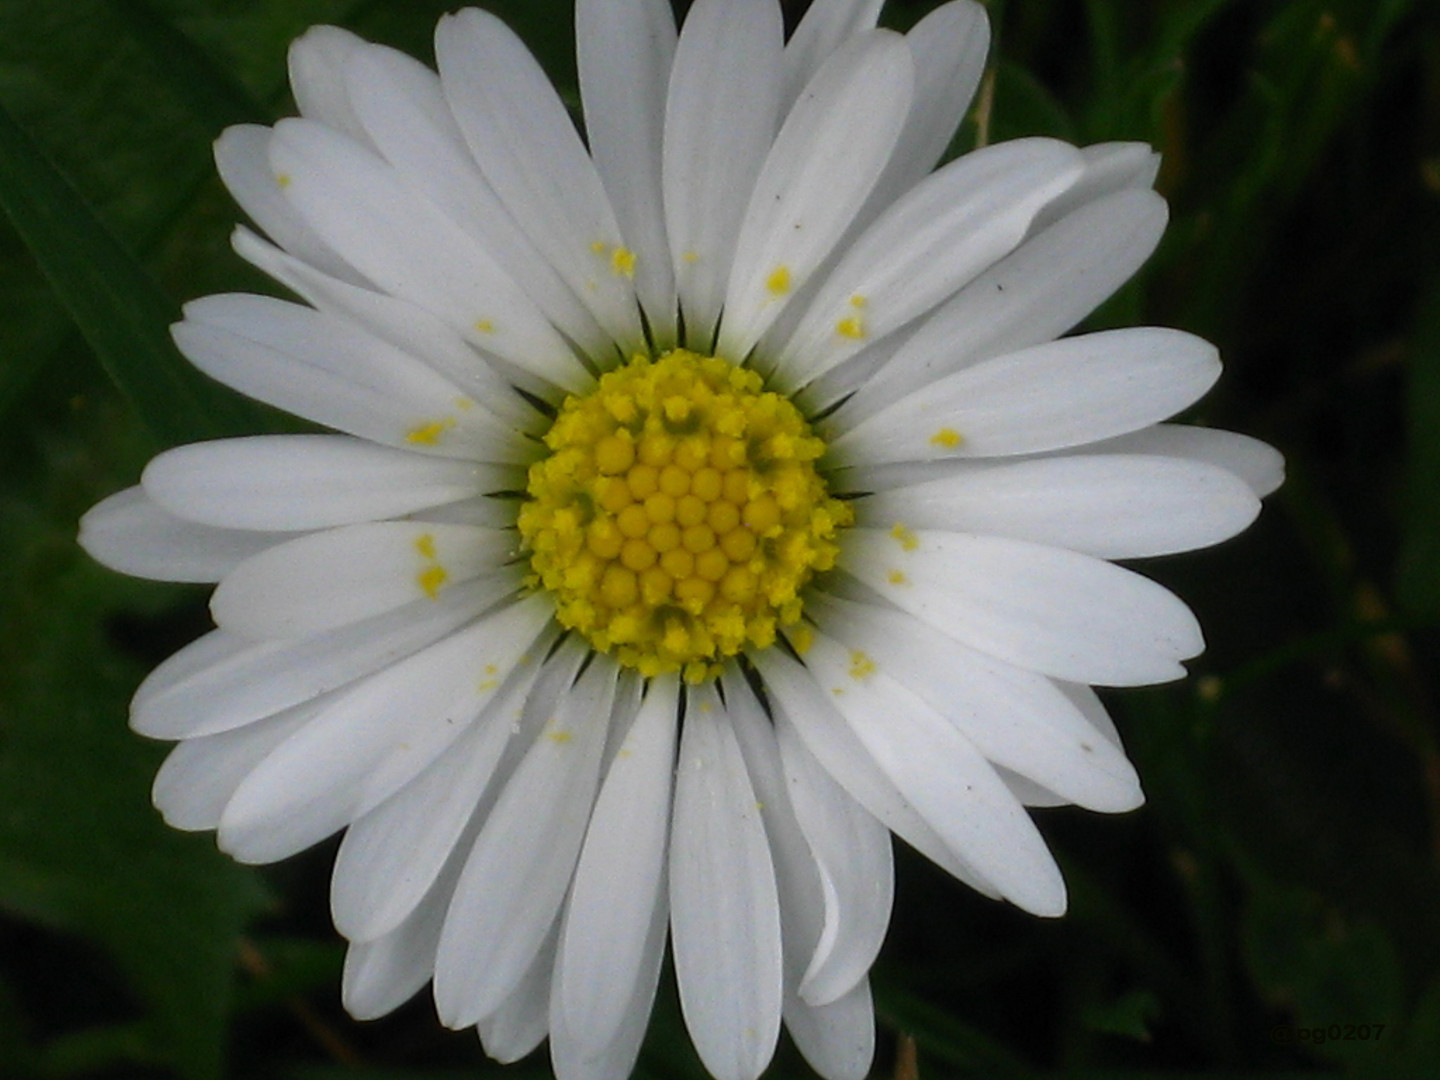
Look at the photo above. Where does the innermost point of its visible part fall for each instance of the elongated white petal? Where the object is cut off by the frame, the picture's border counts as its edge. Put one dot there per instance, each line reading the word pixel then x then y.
pixel 391 856
pixel 400 103
pixel 943 775
pixel 806 720
pixel 619 879
pixel 329 579
pixel 624 52
pixel 721 117
pixel 520 1024
pixel 300 482
pixel 317 81
pixel 949 46
pixel 724 910
pixel 837 1038
pixel 826 159
pixel 130 533
pixel 1066 393
pixel 574 1060
pixel 373 738
pixel 935 239
pixel 486 380
pixel 1109 167
pixel 199 776
pixel 398 239
pixel 383 974
pixel 523 139
pixel 852 850
pixel 1114 506
pixel 242 157
pixel 522 861
pixel 330 371
pixel 1051 610
pixel 1260 465
pixel 1033 295
pixel 1015 718
pixel 826 26
pixel 223 680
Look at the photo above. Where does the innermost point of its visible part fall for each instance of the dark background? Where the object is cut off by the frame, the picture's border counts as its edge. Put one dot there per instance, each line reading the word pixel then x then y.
pixel 1272 910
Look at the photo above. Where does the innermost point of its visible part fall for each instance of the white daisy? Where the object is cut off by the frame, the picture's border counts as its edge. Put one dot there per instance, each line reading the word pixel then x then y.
pixel 704 505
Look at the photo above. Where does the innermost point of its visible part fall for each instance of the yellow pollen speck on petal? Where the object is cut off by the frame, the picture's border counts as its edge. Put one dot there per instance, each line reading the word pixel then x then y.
pixel 679 515
pixel 598 247
pixel 431 579
pixel 949 438
pixel 858 301
pixel 429 434
pixel 861 666
pixel 779 280
pixel 851 327
pixel 282 180
pixel 897 577
pixel 622 261
pixel 906 538
pixel 560 738
pixel 464 404
pixel 485 326
pixel 691 256
pixel 425 545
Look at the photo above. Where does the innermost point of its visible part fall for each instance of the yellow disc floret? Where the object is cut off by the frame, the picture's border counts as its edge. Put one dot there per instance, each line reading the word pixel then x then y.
pixel 679 515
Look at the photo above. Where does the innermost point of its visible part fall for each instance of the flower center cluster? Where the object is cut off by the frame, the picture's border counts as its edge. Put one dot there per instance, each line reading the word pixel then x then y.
pixel 679 514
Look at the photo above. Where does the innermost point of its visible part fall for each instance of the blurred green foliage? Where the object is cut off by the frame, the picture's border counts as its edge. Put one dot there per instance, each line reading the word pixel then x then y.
pixel 1274 910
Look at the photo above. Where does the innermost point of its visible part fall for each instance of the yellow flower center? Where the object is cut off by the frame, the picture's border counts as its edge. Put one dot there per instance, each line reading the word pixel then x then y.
pixel 679 515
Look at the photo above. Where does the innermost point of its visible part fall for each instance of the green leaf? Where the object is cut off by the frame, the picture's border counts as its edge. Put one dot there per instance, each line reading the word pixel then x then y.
pixel 121 312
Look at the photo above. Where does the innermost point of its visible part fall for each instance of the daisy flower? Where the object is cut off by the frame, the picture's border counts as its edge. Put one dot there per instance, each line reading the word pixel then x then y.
pixel 706 498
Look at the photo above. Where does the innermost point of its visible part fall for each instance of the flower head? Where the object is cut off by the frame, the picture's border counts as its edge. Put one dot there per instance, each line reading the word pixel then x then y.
pixel 707 499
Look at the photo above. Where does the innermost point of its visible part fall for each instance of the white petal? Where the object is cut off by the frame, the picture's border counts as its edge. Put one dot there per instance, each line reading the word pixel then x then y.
pixel 522 861
pixel 1114 506
pixel 826 159
pixel 1261 466
pixel 573 1060
pixel 1033 295
pixel 223 680
pixel 519 132
pixel 624 52
pixel 720 120
pixel 1066 393
pixel 398 239
pixel 390 857
pixel 128 532
pixel 403 109
pixel 837 1038
pixel 1015 718
pixel 329 579
pixel 317 80
pixel 199 776
pixel 373 738
pixel 520 1024
pixel 826 26
pixel 1051 610
pixel 488 381
pixel 299 482
pixel 806 721
pixel 382 975
pixel 242 156
pixel 806 911
pixel 1109 167
pixel 949 45
pixel 935 239
pixel 852 850
pixel 328 370
pixel 618 880
pixel 944 777
pixel 724 912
